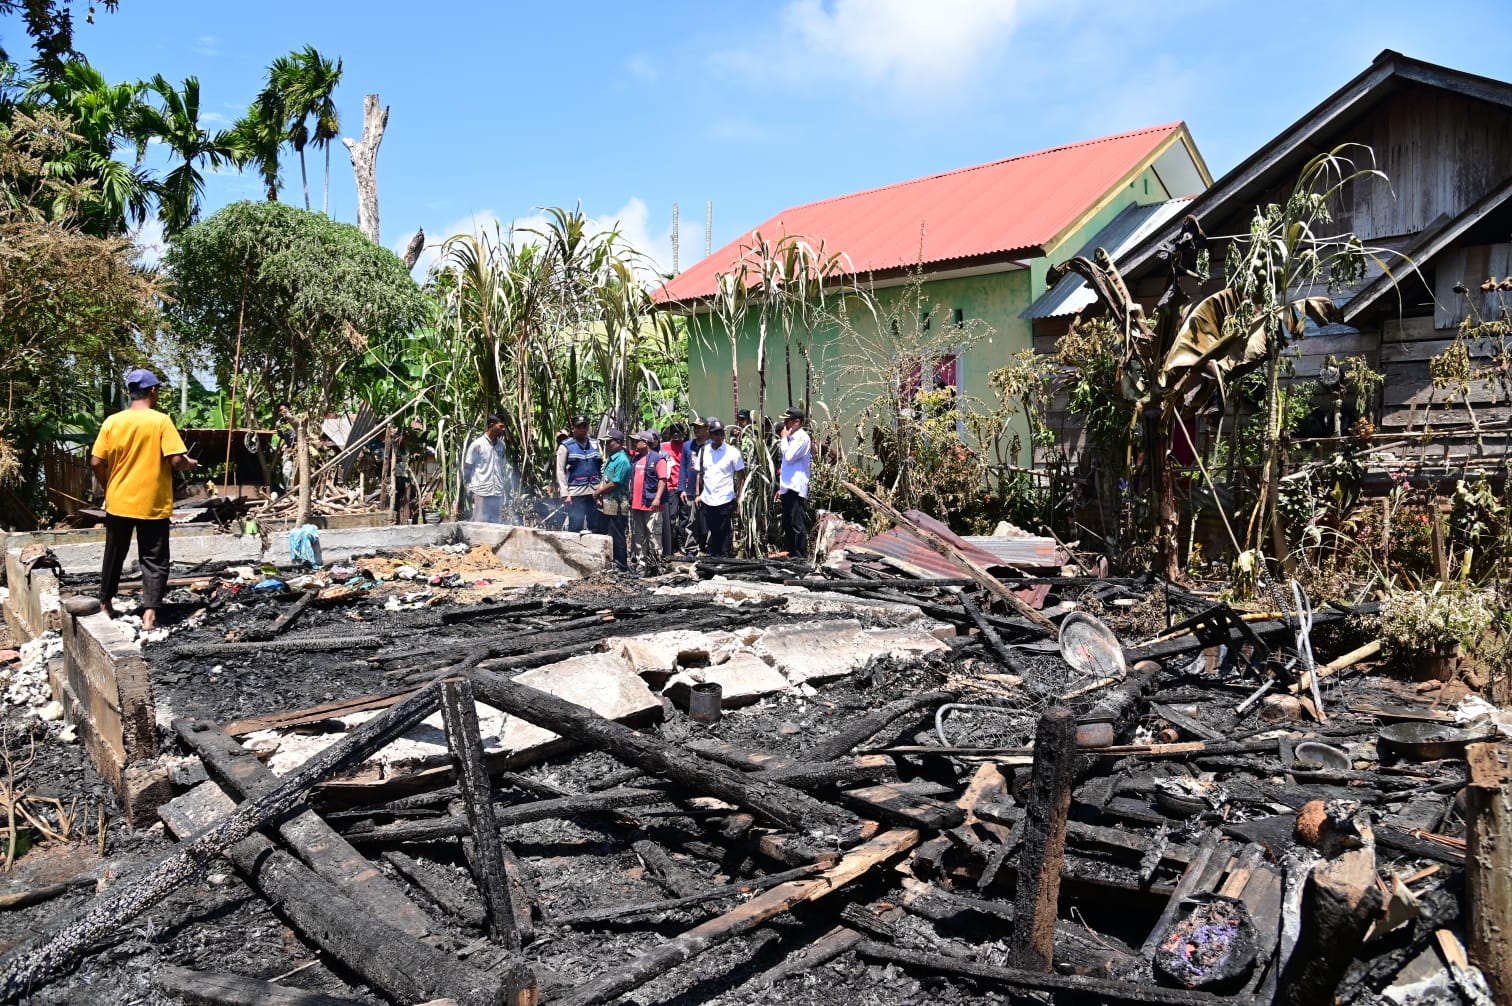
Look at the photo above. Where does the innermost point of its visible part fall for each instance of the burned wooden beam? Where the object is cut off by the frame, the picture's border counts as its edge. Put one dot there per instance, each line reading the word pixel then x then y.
pixel 132 897
pixel 243 777
pixel 1488 866
pixel 460 715
pixel 733 889
pixel 777 901
pixel 218 988
pixel 1039 872
pixel 1018 978
pixel 863 728
pixel 387 958
pixel 784 805
pixel 316 644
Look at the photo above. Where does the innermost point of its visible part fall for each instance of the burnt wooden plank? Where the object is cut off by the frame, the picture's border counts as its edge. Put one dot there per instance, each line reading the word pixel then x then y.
pixel 239 772
pixel 459 713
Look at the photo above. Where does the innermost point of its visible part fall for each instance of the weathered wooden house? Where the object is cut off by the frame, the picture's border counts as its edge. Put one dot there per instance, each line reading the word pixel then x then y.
pixel 1442 220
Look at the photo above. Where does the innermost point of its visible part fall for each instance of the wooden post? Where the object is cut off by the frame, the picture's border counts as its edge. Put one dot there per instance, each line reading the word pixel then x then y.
pixel 460 715
pixel 365 164
pixel 1039 868
pixel 1488 867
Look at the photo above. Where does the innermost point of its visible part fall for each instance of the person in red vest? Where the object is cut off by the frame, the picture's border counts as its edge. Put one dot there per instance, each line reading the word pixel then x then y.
pixel 648 489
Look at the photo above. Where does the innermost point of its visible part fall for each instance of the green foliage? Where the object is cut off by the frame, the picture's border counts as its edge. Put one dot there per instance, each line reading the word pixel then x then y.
pixel 548 324
pixel 291 295
pixel 1088 354
pixel 1415 621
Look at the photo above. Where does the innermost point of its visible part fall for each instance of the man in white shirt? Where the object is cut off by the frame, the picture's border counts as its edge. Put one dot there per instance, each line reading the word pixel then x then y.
pixel 485 468
pixel 793 482
pixel 721 472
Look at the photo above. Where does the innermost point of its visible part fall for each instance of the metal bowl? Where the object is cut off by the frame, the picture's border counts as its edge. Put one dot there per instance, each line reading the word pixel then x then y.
pixel 1429 741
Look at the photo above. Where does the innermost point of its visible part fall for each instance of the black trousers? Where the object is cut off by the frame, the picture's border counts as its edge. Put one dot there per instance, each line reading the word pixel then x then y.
pixel 583 515
pixel 672 525
pixel 716 519
pixel 696 535
pixel 152 556
pixel 795 523
pixel 615 526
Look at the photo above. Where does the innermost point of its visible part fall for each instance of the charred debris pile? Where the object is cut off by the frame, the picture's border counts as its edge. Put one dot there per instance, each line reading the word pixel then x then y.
pixel 1061 788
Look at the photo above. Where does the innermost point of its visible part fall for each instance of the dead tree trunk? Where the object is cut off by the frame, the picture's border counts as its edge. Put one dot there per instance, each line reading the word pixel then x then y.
pixel 365 164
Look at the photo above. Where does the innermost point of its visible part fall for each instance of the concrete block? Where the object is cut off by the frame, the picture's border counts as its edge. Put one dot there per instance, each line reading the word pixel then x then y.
pixel 813 651
pixel 800 600
pixel 340 544
pixel 816 652
pixel 743 679
pixel 906 642
pixel 603 682
pixel 103 684
pixel 659 654
pixel 560 552
pixel 32 605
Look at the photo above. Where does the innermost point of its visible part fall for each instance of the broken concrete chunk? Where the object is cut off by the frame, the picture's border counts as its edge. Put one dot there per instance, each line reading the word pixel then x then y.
pixel 659 654
pixel 603 682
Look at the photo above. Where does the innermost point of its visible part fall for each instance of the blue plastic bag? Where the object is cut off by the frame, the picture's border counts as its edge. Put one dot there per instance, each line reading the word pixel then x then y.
pixel 304 544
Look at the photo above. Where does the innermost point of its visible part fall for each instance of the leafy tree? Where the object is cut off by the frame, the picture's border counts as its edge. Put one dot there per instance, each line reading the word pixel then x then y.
pixel 291 298
pixel 73 305
pixel 50 25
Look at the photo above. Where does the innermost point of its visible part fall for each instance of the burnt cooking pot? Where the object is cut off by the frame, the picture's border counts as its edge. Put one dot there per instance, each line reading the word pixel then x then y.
pixel 1429 741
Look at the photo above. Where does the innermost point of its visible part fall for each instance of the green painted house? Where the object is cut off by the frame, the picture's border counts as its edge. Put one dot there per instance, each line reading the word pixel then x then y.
pixel 965 251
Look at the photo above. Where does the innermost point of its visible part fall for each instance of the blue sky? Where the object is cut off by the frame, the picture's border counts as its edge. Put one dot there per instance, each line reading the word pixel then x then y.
pixel 499 108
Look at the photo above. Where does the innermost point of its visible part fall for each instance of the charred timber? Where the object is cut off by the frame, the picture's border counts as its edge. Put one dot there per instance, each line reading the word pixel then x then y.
pixel 22 974
pixel 781 804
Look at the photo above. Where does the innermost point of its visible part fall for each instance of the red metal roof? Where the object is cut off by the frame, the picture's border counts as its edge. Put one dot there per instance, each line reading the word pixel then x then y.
pixel 1018 204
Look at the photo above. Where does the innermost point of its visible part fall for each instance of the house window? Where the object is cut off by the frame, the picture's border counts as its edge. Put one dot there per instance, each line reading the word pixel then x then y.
pixel 958 318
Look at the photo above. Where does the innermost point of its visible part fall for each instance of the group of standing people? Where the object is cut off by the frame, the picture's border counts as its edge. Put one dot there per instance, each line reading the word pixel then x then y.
pixel 675 493
pixel 659 493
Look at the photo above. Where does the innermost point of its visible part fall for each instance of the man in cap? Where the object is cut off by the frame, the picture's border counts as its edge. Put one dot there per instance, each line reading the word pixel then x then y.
pixel 134 458
pixel 721 471
pixel 486 470
pixel 697 539
pixel 579 470
pixel 793 481
pixel 613 495
pixel 674 436
pixel 648 489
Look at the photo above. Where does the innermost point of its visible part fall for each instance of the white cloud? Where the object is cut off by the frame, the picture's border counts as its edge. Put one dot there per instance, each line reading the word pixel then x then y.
pixel 641 66
pixel 910 48
pixel 207 45
pixel 633 221
pixel 209 117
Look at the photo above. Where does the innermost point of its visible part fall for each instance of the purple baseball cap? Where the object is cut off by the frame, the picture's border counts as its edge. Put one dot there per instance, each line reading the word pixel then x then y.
pixel 143 379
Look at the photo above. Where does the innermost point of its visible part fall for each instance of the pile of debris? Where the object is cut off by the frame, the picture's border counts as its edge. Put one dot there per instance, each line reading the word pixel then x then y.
pixel 1004 782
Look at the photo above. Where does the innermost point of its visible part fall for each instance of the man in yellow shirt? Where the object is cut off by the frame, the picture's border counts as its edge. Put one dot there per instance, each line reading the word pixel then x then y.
pixel 134 458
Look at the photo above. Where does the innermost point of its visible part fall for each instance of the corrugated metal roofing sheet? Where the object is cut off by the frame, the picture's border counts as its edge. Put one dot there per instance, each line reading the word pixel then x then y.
pixel 1122 233
pixel 1018 204
pixel 898 544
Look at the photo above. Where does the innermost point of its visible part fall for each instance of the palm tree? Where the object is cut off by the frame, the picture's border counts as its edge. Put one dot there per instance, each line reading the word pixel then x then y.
pixel 257 138
pixel 302 83
pixel 101 118
pixel 309 92
pixel 176 125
